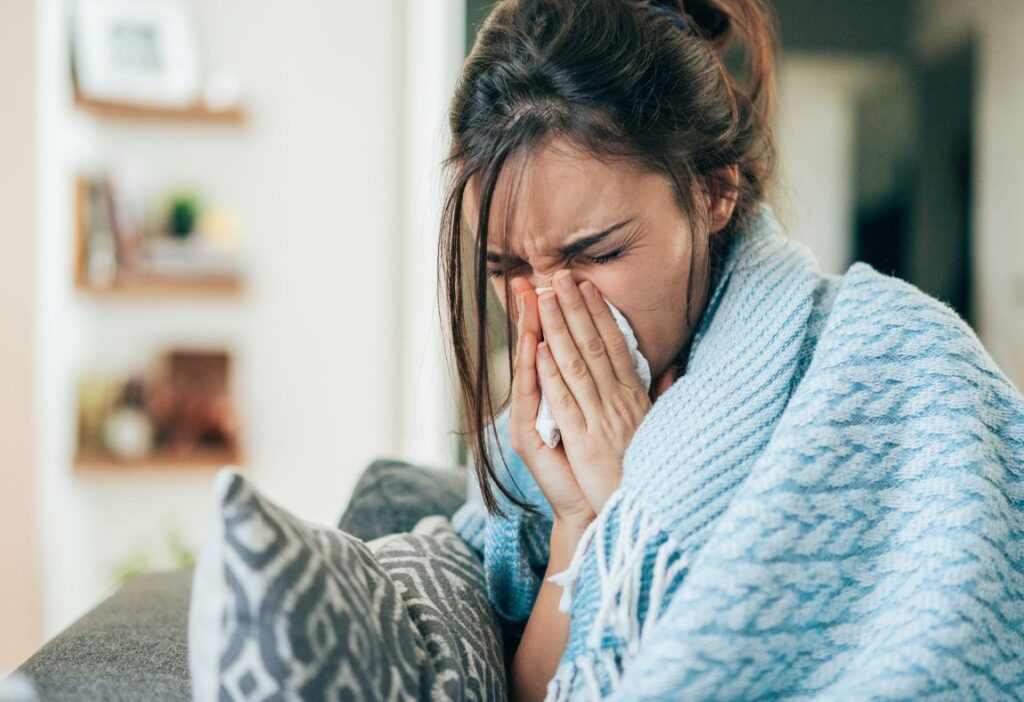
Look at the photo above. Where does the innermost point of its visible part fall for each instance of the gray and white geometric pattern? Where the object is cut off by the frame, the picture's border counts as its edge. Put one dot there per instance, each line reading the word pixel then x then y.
pixel 283 609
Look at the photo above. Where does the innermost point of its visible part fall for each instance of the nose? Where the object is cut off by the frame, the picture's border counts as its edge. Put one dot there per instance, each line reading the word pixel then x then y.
pixel 545 280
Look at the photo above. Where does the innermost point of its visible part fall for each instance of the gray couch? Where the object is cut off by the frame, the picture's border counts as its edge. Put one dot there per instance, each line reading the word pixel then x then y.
pixel 133 646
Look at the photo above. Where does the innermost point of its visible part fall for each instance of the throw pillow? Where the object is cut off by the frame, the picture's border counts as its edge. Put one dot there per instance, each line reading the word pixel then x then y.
pixel 284 609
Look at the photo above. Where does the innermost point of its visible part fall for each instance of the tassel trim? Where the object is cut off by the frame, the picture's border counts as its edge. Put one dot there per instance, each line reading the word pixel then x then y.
pixel 620 590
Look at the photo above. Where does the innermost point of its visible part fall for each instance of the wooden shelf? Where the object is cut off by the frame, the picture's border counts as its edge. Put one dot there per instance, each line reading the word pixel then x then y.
pixel 197 113
pixel 169 462
pixel 154 287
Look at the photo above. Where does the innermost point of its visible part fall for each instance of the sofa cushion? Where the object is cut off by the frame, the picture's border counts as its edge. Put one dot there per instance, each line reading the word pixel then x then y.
pixel 284 607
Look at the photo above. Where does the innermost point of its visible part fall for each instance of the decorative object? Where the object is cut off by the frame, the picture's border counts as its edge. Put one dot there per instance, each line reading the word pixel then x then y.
pixel 183 215
pixel 221 91
pixel 97 396
pixel 189 257
pixel 136 51
pixel 96 236
pixel 179 411
pixel 191 403
pixel 189 249
pixel 128 431
pixel 221 230
pixel 125 183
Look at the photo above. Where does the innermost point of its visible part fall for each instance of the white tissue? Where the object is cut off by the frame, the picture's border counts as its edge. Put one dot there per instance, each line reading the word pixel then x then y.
pixel 546 425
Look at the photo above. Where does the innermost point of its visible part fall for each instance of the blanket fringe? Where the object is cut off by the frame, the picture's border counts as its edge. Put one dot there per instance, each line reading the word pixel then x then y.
pixel 619 575
pixel 619 578
pixel 589 668
pixel 561 686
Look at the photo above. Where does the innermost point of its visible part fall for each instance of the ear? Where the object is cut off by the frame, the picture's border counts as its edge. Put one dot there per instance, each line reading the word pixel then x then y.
pixel 722 204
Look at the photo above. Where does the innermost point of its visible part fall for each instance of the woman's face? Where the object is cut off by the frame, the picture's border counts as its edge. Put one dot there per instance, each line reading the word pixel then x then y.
pixel 609 223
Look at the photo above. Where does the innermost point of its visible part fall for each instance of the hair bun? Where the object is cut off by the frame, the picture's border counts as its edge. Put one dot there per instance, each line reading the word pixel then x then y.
pixel 706 17
pixel 709 18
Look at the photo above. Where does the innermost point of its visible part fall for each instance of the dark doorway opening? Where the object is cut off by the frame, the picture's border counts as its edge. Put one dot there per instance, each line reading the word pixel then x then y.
pixel 918 225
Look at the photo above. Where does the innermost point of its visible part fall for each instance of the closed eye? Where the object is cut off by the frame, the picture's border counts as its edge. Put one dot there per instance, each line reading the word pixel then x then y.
pixel 604 258
pixel 499 272
pixel 578 259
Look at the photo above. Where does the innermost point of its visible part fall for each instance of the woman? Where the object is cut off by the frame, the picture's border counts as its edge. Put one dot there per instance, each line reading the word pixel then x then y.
pixel 820 493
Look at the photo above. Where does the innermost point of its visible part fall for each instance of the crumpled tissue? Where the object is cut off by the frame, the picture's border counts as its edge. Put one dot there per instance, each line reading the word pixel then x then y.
pixel 546 425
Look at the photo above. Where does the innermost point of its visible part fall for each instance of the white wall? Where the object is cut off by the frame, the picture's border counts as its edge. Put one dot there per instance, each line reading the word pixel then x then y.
pixel 434 53
pixel 998 226
pixel 70 582
pixel 20 606
pixel 815 141
pixel 815 135
pixel 317 179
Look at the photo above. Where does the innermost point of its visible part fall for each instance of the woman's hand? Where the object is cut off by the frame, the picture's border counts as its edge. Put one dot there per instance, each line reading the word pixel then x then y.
pixel 549 466
pixel 595 394
pixel 588 375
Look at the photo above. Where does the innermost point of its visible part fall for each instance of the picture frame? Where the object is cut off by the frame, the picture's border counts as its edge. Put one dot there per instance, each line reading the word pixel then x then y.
pixel 136 51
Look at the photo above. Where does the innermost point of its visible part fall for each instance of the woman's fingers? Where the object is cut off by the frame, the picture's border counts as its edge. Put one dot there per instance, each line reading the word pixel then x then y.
pixel 528 318
pixel 525 395
pixel 564 404
pixel 550 467
pixel 575 373
pixel 614 340
pixel 584 332
pixel 525 381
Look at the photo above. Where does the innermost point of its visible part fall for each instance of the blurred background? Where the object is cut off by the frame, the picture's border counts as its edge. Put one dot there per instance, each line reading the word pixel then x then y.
pixel 218 233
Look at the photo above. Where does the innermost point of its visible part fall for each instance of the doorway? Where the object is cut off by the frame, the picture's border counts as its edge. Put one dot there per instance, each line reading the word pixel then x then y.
pixel 914 222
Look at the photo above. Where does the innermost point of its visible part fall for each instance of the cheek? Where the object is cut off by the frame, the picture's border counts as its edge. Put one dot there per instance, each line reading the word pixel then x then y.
pixel 654 300
pixel 642 290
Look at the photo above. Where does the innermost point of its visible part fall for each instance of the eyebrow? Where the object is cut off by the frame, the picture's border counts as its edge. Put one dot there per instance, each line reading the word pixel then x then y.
pixel 571 248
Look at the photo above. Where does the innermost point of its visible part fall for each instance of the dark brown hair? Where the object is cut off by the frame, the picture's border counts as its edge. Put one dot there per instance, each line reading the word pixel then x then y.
pixel 622 82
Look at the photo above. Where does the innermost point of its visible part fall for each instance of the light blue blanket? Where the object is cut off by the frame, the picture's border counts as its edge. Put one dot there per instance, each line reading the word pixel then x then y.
pixel 828 505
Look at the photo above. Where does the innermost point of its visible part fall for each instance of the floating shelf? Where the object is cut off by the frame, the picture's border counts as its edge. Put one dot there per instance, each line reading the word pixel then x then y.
pixel 167 287
pixel 195 113
pixel 167 462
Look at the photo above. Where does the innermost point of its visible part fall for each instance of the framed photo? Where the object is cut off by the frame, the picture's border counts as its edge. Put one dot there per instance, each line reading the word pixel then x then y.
pixel 136 51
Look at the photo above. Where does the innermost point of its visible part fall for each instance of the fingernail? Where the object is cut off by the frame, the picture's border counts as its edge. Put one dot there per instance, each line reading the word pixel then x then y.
pixel 588 290
pixel 542 350
pixel 549 301
pixel 565 281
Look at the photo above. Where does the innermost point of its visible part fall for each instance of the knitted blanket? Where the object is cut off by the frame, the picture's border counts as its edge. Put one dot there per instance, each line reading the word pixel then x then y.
pixel 829 505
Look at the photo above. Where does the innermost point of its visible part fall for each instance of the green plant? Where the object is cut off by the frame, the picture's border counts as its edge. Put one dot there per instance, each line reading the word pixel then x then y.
pixel 141 561
pixel 184 556
pixel 131 567
pixel 184 213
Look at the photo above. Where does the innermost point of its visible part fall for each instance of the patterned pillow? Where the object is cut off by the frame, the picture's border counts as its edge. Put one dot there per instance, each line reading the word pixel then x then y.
pixel 391 496
pixel 284 609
